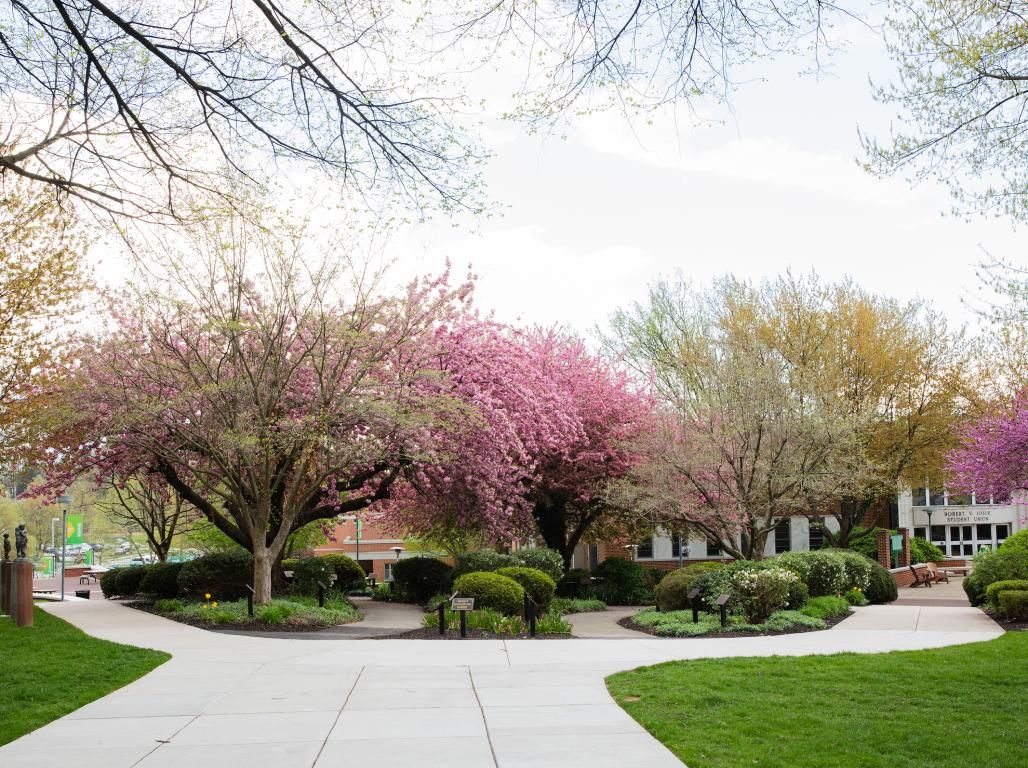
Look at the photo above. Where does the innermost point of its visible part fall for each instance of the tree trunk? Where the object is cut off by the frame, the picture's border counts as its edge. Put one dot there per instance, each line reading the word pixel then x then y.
pixel 262 562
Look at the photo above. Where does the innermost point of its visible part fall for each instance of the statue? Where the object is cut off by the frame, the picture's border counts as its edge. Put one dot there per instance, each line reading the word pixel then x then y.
pixel 21 540
pixel 7 546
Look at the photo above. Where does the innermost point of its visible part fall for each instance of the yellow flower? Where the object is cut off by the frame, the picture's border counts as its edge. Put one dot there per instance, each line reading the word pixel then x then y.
pixel 214 604
pixel 207 596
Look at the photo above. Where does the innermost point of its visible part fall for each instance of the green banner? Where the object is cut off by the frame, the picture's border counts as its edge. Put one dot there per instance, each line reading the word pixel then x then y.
pixel 73 533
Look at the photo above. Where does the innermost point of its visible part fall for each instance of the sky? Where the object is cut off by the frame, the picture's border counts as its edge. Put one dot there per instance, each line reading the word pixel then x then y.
pixel 588 219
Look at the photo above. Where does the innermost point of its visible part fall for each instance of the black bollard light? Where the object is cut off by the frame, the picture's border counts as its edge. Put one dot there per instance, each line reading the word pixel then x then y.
pixel 442 618
pixel 694 598
pixel 463 624
pixel 723 604
pixel 321 595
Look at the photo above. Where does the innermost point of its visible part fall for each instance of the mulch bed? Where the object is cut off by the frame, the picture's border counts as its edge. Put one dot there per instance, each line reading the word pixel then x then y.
pixel 248 626
pixel 1010 625
pixel 427 633
pixel 627 623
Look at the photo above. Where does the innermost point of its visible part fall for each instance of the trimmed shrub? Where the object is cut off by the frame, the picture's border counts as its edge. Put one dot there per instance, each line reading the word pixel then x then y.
pixel 1013 604
pixel 798 595
pixel 881 587
pixel 624 583
pixel 482 561
pixel 129 580
pixel 109 582
pixel 223 574
pixel 923 551
pixel 866 543
pixel 491 590
pixel 825 607
pixel 161 580
pixel 419 578
pixel 759 593
pixel 539 586
pixel 309 572
pixel 672 593
pixel 992 566
pixel 993 591
pixel 347 570
pixel 542 559
pixel 828 571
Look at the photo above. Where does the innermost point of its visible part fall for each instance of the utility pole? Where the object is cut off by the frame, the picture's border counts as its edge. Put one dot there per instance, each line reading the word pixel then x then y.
pixel 64 550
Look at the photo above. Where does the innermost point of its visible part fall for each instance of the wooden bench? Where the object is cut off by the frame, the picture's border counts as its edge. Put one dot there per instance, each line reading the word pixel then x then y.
pixel 920 579
pixel 935 575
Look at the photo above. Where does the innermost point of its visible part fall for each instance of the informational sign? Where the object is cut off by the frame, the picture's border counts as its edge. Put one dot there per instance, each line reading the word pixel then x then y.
pixel 462 604
pixel 73 533
pixel 896 540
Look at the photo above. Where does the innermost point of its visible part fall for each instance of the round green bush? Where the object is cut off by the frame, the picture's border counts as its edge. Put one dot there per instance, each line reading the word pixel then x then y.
pixel 161 580
pixel 881 587
pixel 575 583
pixel 482 561
pixel 109 582
pixel 974 588
pixel 542 559
pixel 1013 604
pixel 491 590
pixel 798 595
pixel 624 583
pixel 129 580
pixel 539 586
pixel 419 578
pixel 224 575
pixel 992 592
pixel 348 571
pixel 672 594
pixel 857 568
pixel 309 572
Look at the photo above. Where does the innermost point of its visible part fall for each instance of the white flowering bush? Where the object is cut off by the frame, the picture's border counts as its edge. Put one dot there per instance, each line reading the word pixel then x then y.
pixel 759 593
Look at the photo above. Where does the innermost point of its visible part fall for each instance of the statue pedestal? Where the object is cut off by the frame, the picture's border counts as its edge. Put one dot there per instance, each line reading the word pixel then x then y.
pixel 6 574
pixel 21 593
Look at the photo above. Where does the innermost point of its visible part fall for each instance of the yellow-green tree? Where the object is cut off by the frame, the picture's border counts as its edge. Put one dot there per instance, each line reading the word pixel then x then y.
pixel 42 279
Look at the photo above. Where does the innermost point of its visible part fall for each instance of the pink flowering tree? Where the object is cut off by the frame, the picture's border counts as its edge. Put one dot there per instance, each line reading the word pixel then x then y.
pixel 992 459
pixel 546 428
pixel 265 405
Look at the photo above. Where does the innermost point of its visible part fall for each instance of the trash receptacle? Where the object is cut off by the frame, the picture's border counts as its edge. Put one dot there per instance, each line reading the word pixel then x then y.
pixel 83 593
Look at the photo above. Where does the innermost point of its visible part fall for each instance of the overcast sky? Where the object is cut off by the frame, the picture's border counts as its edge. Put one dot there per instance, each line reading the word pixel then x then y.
pixel 591 218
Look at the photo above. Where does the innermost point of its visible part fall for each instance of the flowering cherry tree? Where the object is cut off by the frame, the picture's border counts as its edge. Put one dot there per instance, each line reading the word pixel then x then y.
pixel 266 405
pixel 546 427
pixel 992 459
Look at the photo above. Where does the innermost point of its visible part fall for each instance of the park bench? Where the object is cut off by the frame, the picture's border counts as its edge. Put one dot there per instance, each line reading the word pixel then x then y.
pixel 935 575
pixel 922 578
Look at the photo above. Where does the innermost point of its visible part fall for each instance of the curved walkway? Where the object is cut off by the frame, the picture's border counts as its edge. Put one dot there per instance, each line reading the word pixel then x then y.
pixel 380 620
pixel 231 700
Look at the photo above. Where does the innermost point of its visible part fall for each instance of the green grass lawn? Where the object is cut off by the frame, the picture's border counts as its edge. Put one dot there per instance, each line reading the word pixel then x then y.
pixel 52 668
pixel 961 706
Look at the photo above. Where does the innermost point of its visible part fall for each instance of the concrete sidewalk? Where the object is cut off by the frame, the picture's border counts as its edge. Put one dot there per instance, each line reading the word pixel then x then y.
pixel 231 700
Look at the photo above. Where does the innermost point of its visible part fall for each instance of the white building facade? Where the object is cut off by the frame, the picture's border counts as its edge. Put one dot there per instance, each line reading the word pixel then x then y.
pixel 958 524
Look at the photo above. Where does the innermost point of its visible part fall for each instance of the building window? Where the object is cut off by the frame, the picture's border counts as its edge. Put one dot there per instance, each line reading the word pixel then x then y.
pixel 958 500
pixel 918 497
pixel 676 546
pixel 937 498
pixel 645 549
pixel 783 537
pixel 919 533
pixel 816 538
pixel 713 550
pixel 1002 531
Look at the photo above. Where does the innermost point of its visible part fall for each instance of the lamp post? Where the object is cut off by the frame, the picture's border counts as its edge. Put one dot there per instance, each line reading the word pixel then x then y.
pixel 928 511
pixel 632 550
pixel 396 551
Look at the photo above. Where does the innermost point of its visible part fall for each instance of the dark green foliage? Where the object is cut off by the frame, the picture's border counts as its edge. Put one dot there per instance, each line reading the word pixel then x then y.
pixel 882 587
pixel 798 596
pixel 109 582
pixel 866 543
pixel 923 551
pixel 224 575
pixel 992 566
pixel 992 592
pixel 826 607
pixel 542 559
pixel 289 564
pixel 539 586
pixel 129 580
pixel 482 561
pixel 161 580
pixel 491 590
pixel 348 571
pixel 575 583
pixel 1018 541
pixel 1013 604
pixel 624 583
pixel 309 572
pixel 419 578
pixel 672 593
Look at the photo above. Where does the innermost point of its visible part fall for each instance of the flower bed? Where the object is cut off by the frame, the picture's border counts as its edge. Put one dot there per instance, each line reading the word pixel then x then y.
pixel 291 614
pixel 680 624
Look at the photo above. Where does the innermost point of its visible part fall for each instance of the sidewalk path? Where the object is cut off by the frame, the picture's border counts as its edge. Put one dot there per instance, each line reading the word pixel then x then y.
pixel 380 620
pixel 604 623
pixel 231 700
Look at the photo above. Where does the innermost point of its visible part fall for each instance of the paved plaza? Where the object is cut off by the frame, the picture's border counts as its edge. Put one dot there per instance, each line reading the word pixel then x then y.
pixel 232 700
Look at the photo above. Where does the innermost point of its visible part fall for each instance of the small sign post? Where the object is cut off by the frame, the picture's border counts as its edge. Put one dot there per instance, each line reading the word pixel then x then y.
pixel 694 599
pixel 462 605
pixel 722 603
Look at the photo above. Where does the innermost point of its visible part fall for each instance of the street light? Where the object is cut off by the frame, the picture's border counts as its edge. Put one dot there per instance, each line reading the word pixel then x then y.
pixel 633 549
pixel 397 551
